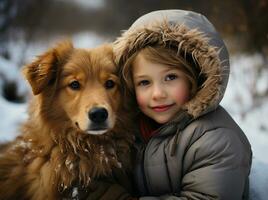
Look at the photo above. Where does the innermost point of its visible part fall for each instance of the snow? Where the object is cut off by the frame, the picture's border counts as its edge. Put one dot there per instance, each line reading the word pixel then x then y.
pixel 12 116
pixel 87 39
pixel 258 181
pixel 24 52
pixel 244 99
pixel 7 70
pixel 251 115
pixel 257 133
pixel 10 72
pixel 244 83
pixel 75 192
pixel 87 4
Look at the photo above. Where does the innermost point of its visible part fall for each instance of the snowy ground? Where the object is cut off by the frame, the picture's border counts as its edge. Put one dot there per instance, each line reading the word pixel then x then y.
pixel 240 100
pixel 251 113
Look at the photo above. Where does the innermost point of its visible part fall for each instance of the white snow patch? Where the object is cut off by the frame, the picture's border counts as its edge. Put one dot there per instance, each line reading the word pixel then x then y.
pixel 12 115
pixel 75 192
pixel 239 97
pixel 87 39
pixel 258 181
pixel 10 72
pixel 88 4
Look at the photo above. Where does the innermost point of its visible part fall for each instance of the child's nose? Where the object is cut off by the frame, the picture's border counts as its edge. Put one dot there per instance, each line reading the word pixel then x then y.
pixel 158 93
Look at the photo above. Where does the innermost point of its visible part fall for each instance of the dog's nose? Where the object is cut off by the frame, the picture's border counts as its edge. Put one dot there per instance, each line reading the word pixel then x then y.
pixel 98 114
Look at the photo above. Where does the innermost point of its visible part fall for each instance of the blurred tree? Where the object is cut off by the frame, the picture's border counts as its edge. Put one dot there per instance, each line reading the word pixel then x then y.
pixel 256 12
pixel 8 10
pixel 245 20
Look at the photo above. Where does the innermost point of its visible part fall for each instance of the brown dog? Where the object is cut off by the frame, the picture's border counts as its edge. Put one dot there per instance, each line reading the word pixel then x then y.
pixel 73 133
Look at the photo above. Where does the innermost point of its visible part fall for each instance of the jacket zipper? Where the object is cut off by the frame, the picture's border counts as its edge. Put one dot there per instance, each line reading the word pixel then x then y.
pixel 143 170
pixel 142 162
pixel 144 153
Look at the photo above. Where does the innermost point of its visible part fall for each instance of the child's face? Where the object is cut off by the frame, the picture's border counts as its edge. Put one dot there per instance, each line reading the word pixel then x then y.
pixel 160 90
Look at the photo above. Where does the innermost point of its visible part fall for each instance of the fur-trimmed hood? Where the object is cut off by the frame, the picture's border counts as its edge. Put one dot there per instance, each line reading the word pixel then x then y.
pixel 190 33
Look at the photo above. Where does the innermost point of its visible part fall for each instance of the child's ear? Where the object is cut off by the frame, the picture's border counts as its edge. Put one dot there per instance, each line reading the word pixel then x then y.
pixel 43 70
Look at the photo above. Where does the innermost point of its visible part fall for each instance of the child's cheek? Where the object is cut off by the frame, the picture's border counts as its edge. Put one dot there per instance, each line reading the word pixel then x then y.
pixel 141 101
pixel 181 96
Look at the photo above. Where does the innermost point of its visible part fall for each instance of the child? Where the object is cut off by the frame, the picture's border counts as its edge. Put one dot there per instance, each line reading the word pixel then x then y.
pixel 175 68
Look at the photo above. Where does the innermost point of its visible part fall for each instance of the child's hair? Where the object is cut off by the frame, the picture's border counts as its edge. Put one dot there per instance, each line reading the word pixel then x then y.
pixel 166 56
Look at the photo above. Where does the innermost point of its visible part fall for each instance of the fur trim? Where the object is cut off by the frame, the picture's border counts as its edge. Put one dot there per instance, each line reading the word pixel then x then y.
pixel 186 40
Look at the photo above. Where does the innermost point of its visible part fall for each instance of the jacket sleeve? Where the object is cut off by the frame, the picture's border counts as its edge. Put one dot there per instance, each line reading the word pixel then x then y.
pixel 216 166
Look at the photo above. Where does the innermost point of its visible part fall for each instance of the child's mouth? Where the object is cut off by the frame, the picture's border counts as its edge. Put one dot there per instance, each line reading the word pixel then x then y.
pixel 162 108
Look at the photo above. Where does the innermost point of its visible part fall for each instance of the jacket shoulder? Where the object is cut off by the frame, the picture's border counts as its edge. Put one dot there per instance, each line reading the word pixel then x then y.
pixel 216 134
pixel 218 119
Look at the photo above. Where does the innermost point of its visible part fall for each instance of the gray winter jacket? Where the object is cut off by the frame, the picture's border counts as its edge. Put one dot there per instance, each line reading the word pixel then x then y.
pixel 202 153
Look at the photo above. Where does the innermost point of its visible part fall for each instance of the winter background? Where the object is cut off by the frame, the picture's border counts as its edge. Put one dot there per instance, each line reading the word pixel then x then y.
pixel 29 28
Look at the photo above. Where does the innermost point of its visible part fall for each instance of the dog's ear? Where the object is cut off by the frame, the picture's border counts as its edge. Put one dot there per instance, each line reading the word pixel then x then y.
pixel 43 71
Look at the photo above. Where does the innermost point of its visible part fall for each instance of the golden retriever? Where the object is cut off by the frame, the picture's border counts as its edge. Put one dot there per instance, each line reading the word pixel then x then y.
pixel 74 133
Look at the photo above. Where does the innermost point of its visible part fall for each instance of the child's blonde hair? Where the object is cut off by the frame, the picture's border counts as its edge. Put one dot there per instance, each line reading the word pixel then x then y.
pixel 164 56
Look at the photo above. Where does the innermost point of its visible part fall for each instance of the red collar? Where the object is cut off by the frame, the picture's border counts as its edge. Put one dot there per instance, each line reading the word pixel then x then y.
pixel 148 127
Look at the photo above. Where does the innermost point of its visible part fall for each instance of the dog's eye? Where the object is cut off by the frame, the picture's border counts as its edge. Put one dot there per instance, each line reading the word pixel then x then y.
pixel 109 84
pixel 75 85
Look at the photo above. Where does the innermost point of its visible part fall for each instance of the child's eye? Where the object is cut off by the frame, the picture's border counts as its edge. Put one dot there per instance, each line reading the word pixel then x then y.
pixel 143 83
pixel 171 77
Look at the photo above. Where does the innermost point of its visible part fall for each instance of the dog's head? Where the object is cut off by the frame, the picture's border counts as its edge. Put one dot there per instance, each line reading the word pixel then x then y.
pixel 76 87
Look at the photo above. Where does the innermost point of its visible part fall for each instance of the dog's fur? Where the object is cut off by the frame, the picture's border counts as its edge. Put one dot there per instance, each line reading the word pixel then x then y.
pixel 57 147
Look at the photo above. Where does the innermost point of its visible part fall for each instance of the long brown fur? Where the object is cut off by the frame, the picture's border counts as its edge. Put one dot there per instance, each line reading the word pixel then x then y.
pixel 53 152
